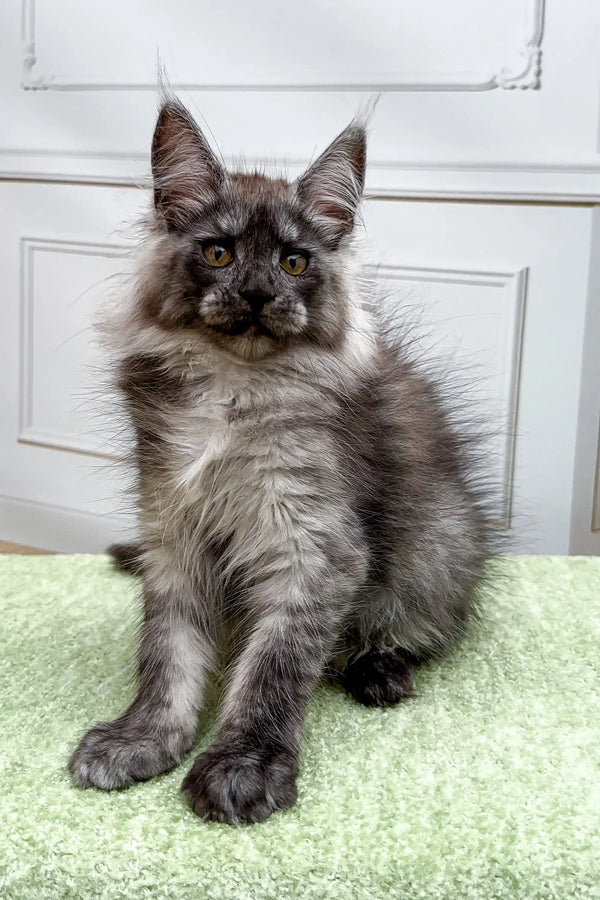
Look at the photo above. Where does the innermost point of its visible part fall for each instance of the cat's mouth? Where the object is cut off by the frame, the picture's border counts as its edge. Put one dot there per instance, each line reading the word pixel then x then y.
pixel 251 344
pixel 250 328
pixel 249 338
pixel 230 316
pixel 251 333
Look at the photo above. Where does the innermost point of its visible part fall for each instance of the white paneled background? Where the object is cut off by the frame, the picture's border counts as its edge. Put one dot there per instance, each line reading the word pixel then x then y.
pixel 481 224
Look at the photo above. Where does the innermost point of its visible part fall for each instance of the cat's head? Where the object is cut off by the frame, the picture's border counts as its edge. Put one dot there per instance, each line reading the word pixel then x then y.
pixel 251 263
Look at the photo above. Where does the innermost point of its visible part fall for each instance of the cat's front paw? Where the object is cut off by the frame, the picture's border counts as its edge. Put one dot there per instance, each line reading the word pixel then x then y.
pixel 115 755
pixel 236 786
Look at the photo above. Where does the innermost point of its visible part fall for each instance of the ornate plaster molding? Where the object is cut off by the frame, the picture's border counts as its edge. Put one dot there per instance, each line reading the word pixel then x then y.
pixel 523 73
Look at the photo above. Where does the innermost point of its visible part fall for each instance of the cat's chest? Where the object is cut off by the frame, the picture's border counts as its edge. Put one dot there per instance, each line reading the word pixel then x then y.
pixel 206 430
pixel 227 437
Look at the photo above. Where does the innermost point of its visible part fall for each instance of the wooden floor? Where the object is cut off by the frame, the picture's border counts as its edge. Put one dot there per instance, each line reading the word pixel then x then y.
pixel 6 547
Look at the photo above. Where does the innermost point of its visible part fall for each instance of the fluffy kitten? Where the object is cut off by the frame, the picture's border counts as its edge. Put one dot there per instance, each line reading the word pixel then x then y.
pixel 303 499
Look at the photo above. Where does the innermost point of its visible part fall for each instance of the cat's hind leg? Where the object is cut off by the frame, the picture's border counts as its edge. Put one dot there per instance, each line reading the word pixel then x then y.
pixel 127 558
pixel 418 609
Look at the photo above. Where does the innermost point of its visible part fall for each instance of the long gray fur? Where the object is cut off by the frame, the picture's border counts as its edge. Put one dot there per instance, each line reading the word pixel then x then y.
pixel 303 498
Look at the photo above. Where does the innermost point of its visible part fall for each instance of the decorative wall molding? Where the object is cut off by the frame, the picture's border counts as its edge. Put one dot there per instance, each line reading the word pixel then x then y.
pixel 544 181
pixel 28 432
pixel 523 73
pixel 514 285
pixel 568 181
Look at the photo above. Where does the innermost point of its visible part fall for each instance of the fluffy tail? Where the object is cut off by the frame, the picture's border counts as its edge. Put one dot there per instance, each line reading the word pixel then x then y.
pixel 127 557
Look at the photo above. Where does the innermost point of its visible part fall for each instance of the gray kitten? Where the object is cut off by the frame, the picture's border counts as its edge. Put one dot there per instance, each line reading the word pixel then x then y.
pixel 305 506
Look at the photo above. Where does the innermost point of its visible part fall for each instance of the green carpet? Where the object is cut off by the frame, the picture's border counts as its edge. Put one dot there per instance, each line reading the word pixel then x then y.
pixel 484 786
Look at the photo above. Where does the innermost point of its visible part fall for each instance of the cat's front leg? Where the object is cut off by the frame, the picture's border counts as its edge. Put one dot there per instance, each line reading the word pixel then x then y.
pixel 159 727
pixel 251 769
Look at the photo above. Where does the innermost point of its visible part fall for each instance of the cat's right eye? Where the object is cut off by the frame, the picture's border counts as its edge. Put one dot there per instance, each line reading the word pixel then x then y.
pixel 218 253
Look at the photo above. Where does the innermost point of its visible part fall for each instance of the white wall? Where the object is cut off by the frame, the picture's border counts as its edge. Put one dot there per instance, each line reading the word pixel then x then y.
pixel 484 173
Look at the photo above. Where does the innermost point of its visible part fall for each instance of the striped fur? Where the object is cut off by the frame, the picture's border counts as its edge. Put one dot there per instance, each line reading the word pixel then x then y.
pixel 304 500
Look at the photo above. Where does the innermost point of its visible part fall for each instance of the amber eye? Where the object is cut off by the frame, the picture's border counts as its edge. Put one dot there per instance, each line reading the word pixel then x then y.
pixel 294 263
pixel 218 254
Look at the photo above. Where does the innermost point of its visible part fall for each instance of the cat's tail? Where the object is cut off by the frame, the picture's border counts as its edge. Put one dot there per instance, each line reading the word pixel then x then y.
pixel 127 557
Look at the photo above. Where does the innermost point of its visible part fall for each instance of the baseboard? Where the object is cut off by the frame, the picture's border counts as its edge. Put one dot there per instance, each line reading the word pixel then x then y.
pixel 58 528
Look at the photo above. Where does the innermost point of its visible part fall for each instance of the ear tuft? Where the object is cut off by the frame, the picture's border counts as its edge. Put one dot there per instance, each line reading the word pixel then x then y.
pixel 332 187
pixel 187 174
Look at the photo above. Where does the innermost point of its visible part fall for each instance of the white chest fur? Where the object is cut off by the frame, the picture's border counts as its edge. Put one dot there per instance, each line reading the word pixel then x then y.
pixel 202 434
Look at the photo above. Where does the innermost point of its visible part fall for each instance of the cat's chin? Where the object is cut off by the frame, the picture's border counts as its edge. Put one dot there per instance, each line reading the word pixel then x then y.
pixel 251 345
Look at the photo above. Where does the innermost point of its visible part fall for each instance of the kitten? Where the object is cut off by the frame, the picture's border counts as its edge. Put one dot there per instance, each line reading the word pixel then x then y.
pixel 303 499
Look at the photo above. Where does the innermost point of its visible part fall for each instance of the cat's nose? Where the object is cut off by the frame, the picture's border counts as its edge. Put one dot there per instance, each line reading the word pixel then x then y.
pixel 256 299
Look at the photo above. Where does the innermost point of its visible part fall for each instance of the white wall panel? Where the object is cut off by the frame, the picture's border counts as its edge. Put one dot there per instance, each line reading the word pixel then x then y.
pixel 585 522
pixel 595 525
pixel 551 129
pixel 465 327
pixel 63 382
pixel 60 248
pixel 462 269
pixel 553 244
pixel 480 102
pixel 353 44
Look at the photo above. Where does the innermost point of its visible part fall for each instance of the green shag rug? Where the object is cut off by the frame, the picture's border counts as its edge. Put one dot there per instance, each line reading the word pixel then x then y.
pixel 484 786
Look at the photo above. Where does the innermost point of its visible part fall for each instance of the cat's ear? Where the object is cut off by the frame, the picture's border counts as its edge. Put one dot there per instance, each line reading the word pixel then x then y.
pixel 331 189
pixel 186 173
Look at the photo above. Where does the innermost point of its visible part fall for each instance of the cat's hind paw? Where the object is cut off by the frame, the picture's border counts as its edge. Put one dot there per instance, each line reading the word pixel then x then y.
pixel 380 677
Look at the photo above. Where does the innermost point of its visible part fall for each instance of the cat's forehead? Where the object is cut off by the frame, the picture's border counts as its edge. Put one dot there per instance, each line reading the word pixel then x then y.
pixel 254 202
pixel 255 188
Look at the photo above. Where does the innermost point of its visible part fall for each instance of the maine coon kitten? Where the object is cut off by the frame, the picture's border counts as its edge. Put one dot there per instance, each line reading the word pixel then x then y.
pixel 303 498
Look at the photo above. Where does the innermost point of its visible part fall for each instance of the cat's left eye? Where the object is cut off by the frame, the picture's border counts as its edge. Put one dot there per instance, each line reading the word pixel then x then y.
pixel 218 254
pixel 294 263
